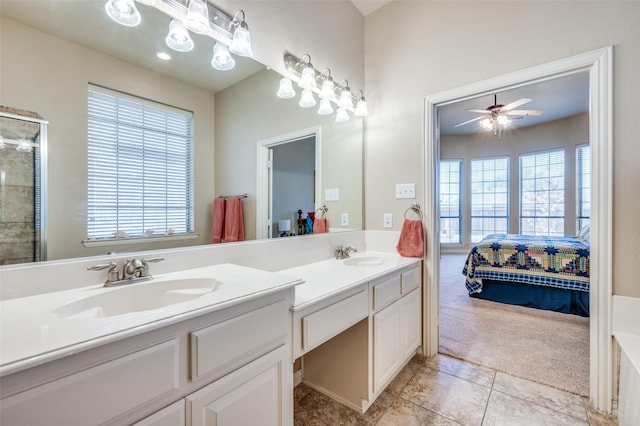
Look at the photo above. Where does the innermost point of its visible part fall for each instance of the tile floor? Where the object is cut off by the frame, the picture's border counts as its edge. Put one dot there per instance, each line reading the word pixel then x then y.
pixel 446 391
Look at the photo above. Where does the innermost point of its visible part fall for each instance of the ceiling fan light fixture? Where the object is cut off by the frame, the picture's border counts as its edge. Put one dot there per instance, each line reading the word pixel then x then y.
pixel 503 120
pixel 124 12
pixel 486 124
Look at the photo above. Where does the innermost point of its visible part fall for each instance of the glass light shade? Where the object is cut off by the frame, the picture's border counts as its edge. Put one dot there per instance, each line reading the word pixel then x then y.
pixel 345 98
pixel 325 107
pixel 197 19
pixel 24 146
pixel 342 115
pixel 124 12
pixel 178 38
pixel 285 91
pixel 2 145
pixel 308 78
pixel 503 120
pixel 147 2
pixel 361 108
pixel 486 124
pixel 241 43
pixel 307 100
pixel 222 59
pixel 328 89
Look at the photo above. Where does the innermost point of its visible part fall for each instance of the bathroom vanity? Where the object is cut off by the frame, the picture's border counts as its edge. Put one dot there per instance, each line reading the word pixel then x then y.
pixel 200 346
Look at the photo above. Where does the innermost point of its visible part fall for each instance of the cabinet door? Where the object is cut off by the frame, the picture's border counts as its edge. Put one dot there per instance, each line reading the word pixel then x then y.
pixel 386 344
pixel 410 329
pixel 173 415
pixel 256 394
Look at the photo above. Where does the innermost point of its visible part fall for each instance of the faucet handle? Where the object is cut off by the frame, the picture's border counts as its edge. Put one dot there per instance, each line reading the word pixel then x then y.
pixel 112 273
pixel 152 260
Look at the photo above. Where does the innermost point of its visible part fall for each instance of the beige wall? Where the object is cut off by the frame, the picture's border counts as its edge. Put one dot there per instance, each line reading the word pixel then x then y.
pixel 49 75
pixel 566 133
pixel 436 46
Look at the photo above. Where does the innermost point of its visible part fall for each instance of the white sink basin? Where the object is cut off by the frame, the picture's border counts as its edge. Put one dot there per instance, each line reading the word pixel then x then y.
pixel 138 297
pixel 364 261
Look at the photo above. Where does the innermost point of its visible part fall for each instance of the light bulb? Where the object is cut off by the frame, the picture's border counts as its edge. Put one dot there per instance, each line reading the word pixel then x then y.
pixel 222 59
pixel 178 38
pixel 486 124
pixel 197 19
pixel 307 100
pixel 124 12
pixel 325 107
pixel 503 120
pixel 342 115
pixel 285 91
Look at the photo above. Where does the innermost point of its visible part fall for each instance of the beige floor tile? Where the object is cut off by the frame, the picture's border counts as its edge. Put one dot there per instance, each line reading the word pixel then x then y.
pixel 405 413
pixel 412 367
pixel 474 373
pixel 554 399
pixel 507 410
pixel 597 418
pixel 447 395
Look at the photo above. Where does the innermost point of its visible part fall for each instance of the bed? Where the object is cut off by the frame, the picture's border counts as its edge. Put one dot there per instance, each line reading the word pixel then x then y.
pixel 540 272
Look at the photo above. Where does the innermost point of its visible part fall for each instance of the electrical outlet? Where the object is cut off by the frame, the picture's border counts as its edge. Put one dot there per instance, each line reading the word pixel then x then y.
pixel 388 220
pixel 344 219
pixel 405 190
pixel 332 194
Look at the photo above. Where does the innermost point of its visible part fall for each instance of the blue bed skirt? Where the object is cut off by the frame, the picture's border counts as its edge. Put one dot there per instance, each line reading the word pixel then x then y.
pixel 540 297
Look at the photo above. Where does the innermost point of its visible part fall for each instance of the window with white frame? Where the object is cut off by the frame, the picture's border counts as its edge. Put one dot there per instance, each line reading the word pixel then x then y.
pixel 489 197
pixel 140 166
pixel 542 193
pixel 450 214
pixel 583 156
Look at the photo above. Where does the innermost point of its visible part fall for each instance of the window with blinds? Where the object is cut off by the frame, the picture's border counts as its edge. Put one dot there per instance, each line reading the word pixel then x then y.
pixel 450 213
pixel 584 185
pixel 542 193
pixel 489 197
pixel 140 166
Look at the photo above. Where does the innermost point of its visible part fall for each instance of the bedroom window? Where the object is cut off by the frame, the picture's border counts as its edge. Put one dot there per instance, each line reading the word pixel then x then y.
pixel 542 193
pixel 489 197
pixel 450 213
pixel 584 185
pixel 140 167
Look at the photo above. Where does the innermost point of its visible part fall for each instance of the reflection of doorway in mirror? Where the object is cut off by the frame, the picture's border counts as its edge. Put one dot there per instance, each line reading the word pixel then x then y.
pixel 293 181
pixel 22 187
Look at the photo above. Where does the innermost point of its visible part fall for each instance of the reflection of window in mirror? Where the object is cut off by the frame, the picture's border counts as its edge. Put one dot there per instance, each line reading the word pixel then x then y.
pixel 140 164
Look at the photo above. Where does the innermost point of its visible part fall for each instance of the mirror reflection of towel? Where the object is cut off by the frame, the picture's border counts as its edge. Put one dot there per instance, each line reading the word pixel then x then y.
pixel 218 219
pixel 233 221
pixel 411 239
pixel 320 225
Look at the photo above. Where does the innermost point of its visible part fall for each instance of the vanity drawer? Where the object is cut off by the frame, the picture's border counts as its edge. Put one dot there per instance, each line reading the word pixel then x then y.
pixel 322 325
pixel 100 393
pixel 221 347
pixel 386 291
pixel 411 280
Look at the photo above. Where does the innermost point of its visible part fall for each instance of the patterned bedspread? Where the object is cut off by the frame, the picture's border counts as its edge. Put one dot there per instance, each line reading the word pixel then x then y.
pixel 561 262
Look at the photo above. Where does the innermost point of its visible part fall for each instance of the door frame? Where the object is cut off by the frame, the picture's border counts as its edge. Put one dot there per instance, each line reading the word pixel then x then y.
pixel 599 64
pixel 264 174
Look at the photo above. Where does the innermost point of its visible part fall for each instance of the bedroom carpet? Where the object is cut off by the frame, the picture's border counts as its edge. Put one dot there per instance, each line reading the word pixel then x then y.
pixel 542 346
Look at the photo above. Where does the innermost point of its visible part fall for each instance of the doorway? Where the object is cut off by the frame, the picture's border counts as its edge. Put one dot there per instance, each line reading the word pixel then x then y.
pixel 288 181
pixel 598 63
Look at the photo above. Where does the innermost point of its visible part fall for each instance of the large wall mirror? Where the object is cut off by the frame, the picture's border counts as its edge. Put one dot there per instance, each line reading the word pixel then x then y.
pixel 52 50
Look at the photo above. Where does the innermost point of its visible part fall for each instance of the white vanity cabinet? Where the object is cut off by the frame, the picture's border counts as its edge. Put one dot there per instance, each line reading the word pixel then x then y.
pixel 229 363
pixel 355 342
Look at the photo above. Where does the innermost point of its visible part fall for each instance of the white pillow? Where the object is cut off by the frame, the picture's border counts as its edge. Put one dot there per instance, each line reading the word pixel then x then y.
pixel 585 233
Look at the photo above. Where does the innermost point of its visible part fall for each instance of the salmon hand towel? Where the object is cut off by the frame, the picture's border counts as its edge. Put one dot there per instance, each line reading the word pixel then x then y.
pixel 233 221
pixel 320 225
pixel 411 240
pixel 218 220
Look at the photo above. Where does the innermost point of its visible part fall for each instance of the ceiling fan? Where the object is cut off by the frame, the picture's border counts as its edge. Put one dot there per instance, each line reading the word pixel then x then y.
pixel 497 116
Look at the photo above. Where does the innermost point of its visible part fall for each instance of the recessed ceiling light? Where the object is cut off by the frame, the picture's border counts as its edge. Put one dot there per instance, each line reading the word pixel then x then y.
pixel 163 55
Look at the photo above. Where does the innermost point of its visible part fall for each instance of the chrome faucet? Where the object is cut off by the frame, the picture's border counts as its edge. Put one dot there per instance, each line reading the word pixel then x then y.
pixel 133 270
pixel 344 252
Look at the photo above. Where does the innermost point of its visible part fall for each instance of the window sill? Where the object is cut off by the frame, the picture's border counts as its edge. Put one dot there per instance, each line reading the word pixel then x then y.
pixel 137 240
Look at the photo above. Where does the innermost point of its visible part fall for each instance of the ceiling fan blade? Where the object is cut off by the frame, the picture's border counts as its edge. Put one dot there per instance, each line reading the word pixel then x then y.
pixel 515 104
pixel 482 111
pixel 524 112
pixel 469 121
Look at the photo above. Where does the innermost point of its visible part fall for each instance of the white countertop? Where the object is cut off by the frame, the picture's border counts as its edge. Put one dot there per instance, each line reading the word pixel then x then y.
pixel 328 277
pixel 39 329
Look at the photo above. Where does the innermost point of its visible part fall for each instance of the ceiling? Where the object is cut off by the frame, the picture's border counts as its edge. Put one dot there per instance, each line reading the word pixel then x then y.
pixel 367 6
pixel 560 97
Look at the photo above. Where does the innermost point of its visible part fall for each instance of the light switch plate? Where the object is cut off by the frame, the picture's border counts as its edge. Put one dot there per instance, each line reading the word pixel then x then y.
pixel 344 219
pixel 388 220
pixel 405 190
pixel 332 194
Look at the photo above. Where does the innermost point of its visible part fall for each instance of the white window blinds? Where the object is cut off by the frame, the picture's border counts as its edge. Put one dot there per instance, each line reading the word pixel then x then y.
pixel 140 166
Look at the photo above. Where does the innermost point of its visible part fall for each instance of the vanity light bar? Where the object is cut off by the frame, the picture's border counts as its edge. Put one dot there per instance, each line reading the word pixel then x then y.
pixel 295 68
